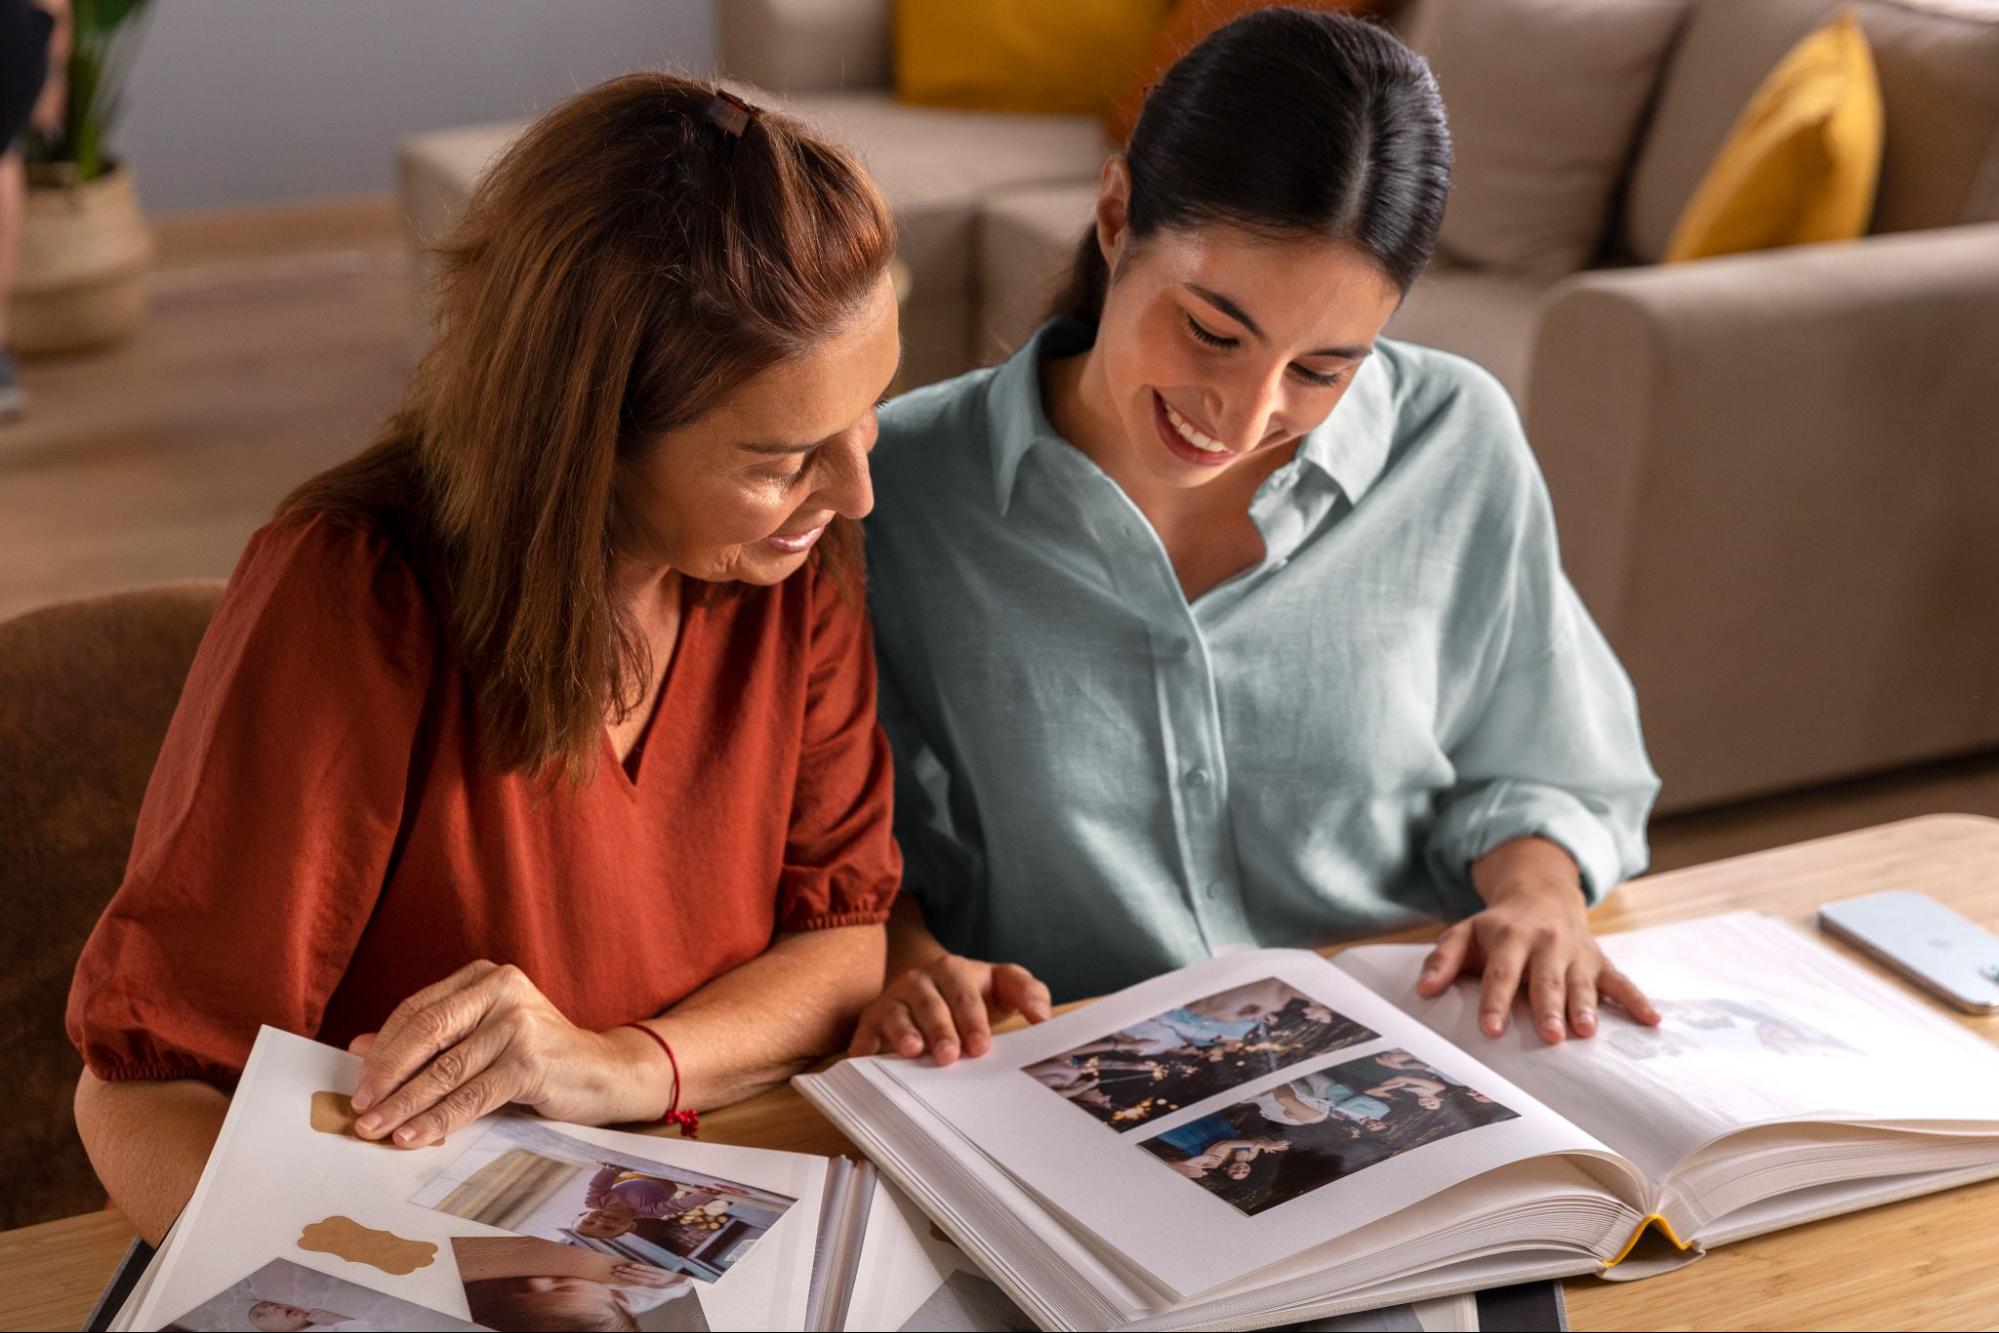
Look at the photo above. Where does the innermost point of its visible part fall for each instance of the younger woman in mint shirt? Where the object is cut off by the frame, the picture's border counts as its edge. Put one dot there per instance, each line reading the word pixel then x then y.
pixel 1212 618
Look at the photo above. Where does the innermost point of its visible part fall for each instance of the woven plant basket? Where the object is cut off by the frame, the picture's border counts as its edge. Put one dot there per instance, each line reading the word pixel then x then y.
pixel 85 253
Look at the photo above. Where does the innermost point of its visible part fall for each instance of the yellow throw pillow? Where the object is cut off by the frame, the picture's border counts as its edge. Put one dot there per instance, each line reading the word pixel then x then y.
pixel 1071 56
pixel 1803 159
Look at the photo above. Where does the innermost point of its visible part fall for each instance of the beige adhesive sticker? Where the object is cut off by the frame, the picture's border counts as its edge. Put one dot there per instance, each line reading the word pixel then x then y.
pixel 333 1113
pixel 348 1239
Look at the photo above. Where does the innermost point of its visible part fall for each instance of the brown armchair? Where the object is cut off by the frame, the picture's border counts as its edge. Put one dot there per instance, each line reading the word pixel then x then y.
pixel 86 691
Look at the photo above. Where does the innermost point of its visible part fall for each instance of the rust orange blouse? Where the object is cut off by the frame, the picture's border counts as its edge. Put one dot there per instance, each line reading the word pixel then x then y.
pixel 320 839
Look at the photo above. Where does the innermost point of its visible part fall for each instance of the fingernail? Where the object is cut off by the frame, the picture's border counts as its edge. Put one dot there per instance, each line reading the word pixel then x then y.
pixel 1490 1021
pixel 406 1134
pixel 1586 1018
pixel 945 1049
pixel 368 1124
pixel 362 1100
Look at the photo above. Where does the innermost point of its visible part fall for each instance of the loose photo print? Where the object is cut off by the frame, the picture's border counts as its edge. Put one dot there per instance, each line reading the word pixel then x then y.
pixel 524 1177
pixel 1322 1127
pixel 284 1297
pixel 1691 1027
pixel 517 1283
pixel 1207 1046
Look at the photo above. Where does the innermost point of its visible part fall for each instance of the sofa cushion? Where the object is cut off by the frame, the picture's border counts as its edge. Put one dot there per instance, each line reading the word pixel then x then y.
pixel 1484 315
pixel 1938 62
pixel 939 167
pixel 1027 237
pixel 437 171
pixel 1544 98
pixel 1801 164
pixel 1032 56
pixel 798 46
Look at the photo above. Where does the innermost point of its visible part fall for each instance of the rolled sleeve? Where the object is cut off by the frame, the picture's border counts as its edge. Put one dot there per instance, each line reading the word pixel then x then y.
pixel 841 866
pixel 1554 749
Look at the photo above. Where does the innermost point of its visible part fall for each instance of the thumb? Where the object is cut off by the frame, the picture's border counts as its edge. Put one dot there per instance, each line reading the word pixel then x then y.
pixel 362 1044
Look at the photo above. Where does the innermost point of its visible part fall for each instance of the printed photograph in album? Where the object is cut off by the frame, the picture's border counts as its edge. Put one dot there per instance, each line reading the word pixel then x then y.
pixel 1321 1127
pixel 1149 1069
pixel 523 1177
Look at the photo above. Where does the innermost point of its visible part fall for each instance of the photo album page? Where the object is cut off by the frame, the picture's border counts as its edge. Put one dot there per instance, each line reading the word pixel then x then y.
pixel 512 1223
pixel 1210 1124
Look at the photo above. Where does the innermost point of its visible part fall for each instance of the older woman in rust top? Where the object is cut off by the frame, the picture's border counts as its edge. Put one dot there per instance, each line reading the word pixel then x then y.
pixel 532 753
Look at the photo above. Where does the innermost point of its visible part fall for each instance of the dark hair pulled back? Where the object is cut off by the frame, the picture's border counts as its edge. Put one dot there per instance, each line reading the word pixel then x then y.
pixel 1287 122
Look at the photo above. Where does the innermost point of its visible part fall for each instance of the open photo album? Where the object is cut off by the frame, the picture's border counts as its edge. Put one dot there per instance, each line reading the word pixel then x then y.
pixel 1272 1137
pixel 522 1223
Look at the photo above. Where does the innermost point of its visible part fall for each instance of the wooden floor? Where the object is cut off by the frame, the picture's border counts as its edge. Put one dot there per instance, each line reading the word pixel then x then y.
pixel 279 339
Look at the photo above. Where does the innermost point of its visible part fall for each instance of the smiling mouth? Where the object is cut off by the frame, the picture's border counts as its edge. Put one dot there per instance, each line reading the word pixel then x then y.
pixel 1185 439
pixel 793 542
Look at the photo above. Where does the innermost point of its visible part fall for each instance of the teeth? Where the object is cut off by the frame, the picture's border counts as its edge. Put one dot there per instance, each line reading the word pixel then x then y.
pixel 1194 437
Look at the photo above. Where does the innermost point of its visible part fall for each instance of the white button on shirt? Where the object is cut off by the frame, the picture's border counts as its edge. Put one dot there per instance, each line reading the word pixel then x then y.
pixel 1101 781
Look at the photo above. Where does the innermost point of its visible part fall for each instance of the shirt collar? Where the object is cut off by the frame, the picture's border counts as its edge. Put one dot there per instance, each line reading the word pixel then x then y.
pixel 1350 446
pixel 1019 415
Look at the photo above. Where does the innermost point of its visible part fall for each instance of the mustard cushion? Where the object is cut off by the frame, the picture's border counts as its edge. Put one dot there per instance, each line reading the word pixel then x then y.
pixel 1066 56
pixel 1803 159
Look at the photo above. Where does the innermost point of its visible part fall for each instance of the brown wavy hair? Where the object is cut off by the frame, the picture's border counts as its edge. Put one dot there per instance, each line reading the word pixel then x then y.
pixel 622 267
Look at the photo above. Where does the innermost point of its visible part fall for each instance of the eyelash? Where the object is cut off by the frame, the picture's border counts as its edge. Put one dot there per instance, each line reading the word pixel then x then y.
pixel 806 460
pixel 1221 344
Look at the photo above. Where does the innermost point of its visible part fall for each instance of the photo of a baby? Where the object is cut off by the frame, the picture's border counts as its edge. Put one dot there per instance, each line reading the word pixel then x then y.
pixel 1154 1067
pixel 1321 1127
pixel 517 1283
pixel 284 1297
pixel 523 1177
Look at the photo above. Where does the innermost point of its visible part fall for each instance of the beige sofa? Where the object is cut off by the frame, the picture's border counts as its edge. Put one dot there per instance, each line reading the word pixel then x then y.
pixel 1777 475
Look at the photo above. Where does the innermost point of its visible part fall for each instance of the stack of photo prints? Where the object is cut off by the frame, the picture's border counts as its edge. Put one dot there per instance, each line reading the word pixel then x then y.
pixel 1264 1139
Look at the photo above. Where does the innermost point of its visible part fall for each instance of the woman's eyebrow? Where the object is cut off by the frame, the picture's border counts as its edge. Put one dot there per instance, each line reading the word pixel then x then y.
pixel 1241 316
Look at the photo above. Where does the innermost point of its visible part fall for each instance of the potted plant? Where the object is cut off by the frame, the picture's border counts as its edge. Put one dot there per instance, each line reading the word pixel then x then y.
pixel 85 247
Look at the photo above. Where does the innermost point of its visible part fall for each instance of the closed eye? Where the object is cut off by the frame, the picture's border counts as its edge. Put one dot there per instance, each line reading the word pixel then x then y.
pixel 1209 338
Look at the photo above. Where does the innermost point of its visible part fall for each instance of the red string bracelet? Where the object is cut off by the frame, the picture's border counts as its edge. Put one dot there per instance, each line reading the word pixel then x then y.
pixel 688 1120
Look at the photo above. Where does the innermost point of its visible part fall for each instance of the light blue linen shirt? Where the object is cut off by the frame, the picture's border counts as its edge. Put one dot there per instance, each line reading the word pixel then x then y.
pixel 1101 781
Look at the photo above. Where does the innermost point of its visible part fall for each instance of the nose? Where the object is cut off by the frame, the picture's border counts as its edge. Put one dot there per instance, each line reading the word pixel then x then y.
pixel 848 489
pixel 1248 407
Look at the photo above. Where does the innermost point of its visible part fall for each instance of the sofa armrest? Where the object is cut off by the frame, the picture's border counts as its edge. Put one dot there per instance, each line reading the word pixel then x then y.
pixel 804 46
pixel 1777 477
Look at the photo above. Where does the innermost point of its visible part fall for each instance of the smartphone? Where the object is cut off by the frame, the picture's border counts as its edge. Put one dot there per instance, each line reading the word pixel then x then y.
pixel 1952 958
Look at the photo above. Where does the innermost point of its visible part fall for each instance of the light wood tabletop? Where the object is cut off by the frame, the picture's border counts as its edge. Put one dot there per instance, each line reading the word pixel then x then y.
pixel 1928 1263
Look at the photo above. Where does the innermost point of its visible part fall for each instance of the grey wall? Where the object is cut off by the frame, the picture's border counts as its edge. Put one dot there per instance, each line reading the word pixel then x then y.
pixel 261 101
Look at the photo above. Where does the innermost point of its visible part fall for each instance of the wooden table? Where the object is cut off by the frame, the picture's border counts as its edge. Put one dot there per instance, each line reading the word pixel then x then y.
pixel 1926 1263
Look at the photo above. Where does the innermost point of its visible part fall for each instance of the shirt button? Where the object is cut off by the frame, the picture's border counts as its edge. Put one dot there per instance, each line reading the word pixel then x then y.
pixel 1215 890
pixel 1197 776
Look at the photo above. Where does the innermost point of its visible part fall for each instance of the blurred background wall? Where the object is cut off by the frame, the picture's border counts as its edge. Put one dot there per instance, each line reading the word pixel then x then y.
pixel 267 101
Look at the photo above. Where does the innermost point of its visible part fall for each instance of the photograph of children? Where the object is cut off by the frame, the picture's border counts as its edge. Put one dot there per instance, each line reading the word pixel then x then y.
pixel 1689 1027
pixel 523 1177
pixel 520 1283
pixel 284 1297
pixel 1154 1067
pixel 1322 1127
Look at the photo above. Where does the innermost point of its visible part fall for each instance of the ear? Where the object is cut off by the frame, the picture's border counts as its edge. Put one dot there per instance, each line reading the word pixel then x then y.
pixel 1113 208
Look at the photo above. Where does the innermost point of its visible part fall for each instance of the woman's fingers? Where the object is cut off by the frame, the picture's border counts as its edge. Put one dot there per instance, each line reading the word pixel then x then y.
pixel 898 1030
pixel 1623 991
pixel 933 1016
pixel 1582 997
pixel 418 1032
pixel 868 1031
pixel 458 1108
pixel 1504 962
pixel 1016 988
pixel 968 1011
pixel 434 1084
pixel 1547 993
pixel 1445 961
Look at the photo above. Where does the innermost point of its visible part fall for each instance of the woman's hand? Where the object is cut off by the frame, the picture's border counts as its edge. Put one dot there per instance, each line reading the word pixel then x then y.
pixel 483 1037
pixel 948 1004
pixel 1534 930
pixel 641 1275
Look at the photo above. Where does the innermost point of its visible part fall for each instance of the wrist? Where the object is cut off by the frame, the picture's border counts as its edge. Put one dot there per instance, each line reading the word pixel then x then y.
pixel 641 1077
pixel 1528 869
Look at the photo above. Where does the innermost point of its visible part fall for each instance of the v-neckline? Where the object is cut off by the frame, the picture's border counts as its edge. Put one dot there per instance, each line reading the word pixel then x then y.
pixel 632 767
